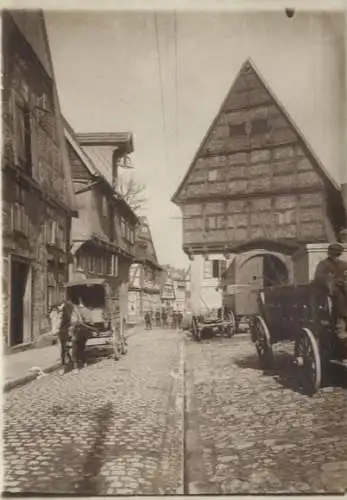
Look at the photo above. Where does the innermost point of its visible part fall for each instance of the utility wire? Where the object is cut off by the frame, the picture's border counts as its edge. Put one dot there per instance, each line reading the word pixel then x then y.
pixel 161 89
pixel 176 83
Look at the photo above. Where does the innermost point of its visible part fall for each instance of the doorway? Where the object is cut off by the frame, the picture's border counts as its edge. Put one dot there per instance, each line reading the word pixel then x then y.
pixel 20 323
pixel 274 271
pixel 258 271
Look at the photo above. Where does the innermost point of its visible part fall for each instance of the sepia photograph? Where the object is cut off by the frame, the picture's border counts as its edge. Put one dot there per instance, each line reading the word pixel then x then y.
pixel 174 249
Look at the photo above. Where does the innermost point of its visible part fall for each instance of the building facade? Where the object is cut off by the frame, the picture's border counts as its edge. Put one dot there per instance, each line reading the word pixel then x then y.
pixel 254 195
pixel 144 277
pixel 174 288
pixel 37 192
pixel 103 237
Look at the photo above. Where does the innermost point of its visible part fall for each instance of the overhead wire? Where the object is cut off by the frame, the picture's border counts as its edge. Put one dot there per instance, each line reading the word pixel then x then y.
pixel 176 84
pixel 160 69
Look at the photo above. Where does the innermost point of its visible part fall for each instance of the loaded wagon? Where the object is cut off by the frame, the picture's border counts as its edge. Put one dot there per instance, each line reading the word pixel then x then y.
pixel 216 322
pixel 306 315
pixel 101 314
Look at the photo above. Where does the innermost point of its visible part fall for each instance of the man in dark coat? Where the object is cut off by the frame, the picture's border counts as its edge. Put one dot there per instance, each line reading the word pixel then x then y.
pixel 148 321
pixel 332 273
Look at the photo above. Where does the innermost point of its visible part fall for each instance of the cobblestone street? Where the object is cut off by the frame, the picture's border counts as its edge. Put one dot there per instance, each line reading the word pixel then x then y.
pixel 253 433
pixel 120 427
pixel 114 428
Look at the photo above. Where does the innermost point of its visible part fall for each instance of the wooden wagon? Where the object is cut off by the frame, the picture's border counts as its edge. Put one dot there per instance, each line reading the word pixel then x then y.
pixel 100 313
pixel 216 322
pixel 304 314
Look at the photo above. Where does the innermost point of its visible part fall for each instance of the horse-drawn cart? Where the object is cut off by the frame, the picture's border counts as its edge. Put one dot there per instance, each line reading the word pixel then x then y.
pixel 305 315
pixel 216 322
pixel 101 314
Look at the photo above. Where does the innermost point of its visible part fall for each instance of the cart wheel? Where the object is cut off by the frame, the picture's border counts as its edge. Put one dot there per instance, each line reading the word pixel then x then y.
pixel 196 329
pixel 231 328
pixel 308 361
pixel 262 340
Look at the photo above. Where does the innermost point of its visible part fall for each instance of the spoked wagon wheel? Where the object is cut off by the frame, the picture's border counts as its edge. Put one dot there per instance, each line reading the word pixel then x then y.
pixel 262 340
pixel 231 327
pixel 196 329
pixel 308 361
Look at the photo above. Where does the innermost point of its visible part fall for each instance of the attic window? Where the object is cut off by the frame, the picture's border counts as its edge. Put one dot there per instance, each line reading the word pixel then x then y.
pixel 260 126
pixel 212 175
pixel 237 129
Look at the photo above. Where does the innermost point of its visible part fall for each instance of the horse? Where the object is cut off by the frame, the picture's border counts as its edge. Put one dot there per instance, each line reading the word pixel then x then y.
pixel 67 324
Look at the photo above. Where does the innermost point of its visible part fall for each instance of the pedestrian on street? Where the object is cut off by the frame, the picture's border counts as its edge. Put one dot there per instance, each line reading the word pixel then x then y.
pixel 179 320
pixel 157 318
pixel 332 274
pixel 164 318
pixel 174 319
pixel 148 321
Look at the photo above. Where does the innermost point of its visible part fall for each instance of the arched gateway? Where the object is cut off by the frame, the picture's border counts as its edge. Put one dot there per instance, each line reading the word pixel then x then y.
pixel 255 199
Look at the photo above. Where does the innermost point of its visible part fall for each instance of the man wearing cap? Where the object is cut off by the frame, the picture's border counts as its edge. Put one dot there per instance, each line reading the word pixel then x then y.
pixel 332 273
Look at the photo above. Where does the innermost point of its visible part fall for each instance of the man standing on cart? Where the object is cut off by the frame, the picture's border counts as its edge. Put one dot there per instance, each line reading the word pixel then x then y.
pixel 332 273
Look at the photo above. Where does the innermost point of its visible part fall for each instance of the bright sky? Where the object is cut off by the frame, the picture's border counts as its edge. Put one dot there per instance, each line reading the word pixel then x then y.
pixel 108 75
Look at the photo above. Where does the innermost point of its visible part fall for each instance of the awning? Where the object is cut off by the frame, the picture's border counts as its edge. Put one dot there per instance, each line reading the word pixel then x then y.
pixel 86 282
pixel 76 246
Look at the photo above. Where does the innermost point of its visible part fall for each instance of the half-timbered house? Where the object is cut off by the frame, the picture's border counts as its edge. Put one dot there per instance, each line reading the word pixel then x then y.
pixel 255 199
pixel 144 278
pixel 37 192
pixel 103 237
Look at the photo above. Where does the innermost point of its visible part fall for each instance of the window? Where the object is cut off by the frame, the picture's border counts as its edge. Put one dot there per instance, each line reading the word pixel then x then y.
pixel 212 175
pixel 220 221
pixel 114 265
pixel 210 223
pixel 52 233
pixel 20 220
pixel 237 129
pixel 60 240
pixel 92 264
pixel 122 227
pixel 22 135
pixel 51 289
pixel 218 268
pixel 104 207
pixel 81 262
pixel 207 269
pixel 260 126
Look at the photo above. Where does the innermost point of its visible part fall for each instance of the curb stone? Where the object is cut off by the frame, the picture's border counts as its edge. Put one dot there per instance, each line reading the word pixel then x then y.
pixel 13 384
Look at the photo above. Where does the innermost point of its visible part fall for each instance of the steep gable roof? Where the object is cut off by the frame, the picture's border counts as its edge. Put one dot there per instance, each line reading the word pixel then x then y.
pixel 31 24
pixel 72 139
pixel 145 250
pixel 249 90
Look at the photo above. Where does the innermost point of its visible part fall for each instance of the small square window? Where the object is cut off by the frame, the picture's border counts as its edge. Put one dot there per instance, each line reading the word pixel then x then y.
pixel 212 175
